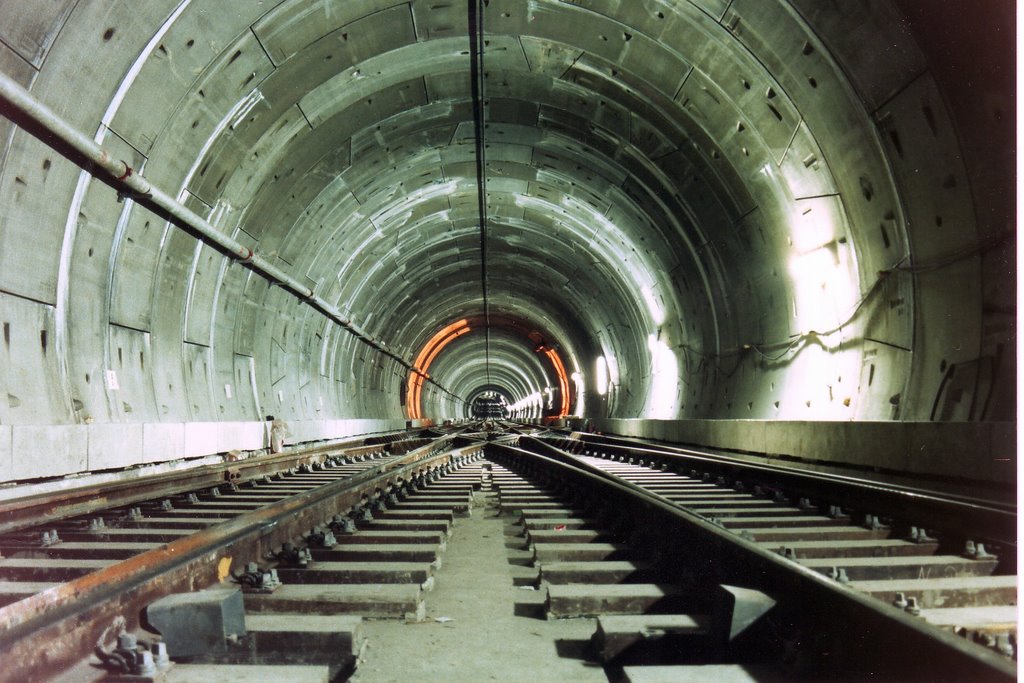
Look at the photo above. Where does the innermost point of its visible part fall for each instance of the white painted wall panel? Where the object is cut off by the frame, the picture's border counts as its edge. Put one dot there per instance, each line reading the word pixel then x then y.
pixel 114 445
pixel 48 450
pixel 162 442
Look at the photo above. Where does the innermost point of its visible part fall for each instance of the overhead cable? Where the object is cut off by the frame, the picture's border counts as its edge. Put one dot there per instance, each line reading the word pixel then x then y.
pixel 477 77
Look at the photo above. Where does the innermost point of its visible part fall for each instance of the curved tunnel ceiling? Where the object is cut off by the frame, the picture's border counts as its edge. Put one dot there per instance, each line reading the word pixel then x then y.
pixel 742 209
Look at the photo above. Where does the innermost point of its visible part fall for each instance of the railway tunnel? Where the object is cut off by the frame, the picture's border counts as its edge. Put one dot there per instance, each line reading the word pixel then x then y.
pixel 782 231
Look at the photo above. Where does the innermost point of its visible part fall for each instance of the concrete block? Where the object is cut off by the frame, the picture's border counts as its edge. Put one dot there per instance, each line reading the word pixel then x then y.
pixel 580 600
pixel 712 436
pixel 330 428
pixel 304 430
pixel 738 435
pixel 243 436
pixel 341 429
pixel 614 426
pixel 356 427
pixel 325 429
pixel 228 435
pixel 200 622
pixel 882 445
pixel 200 439
pixel 314 430
pixel 1004 439
pixel 255 435
pixel 6 453
pixel 315 627
pixel 788 438
pixel 368 600
pixel 592 572
pixel 245 673
pixel 867 444
pixel 331 640
pixel 336 429
pixel 737 609
pixel 698 673
pixel 617 633
pixel 1003 461
pixel 675 431
pixel 320 430
pixel 48 450
pixel 296 432
pixel 349 572
pixel 114 445
pixel 353 427
pixel 635 427
pixel 627 426
pixel 693 432
pixel 162 441
pixel 958 449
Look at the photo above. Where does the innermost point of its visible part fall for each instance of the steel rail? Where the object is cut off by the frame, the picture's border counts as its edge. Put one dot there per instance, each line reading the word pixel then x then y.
pixel 868 629
pixel 53 630
pixel 33 510
pixel 608 440
pixel 969 517
pixel 132 185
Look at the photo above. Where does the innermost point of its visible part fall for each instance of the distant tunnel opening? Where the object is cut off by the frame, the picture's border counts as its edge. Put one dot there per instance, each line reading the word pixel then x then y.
pixel 490 405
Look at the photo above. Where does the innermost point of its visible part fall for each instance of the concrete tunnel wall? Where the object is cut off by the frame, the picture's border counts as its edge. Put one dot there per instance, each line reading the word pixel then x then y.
pixel 753 210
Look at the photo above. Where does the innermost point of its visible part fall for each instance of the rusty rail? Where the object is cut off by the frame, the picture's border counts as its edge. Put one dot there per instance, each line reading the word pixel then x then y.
pixel 19 513
pixel 971 517
pixel 53 630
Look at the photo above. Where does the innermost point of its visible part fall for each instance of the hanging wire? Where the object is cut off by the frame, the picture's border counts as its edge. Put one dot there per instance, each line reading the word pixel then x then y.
pixel 477 76
pixel 762 349
pixel 786 346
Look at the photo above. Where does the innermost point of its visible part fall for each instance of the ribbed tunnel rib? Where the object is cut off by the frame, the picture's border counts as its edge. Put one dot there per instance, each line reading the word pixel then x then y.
pixel 737 205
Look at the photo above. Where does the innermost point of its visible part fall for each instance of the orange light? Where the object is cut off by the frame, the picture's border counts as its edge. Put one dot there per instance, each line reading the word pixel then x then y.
pixel 440 346
pixel 421 378
pixel 418 374
pixel 563 380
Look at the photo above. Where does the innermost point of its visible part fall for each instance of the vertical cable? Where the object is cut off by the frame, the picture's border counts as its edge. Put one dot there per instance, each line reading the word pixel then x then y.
pixel 476 75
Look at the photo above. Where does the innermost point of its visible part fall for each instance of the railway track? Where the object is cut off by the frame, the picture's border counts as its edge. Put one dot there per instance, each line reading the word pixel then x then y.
pixel 84 585
pixel 946 562
pixel 658 566
pixel 43 557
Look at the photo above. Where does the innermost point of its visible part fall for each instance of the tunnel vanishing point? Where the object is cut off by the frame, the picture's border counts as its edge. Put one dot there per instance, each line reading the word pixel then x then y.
pixel 781 227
